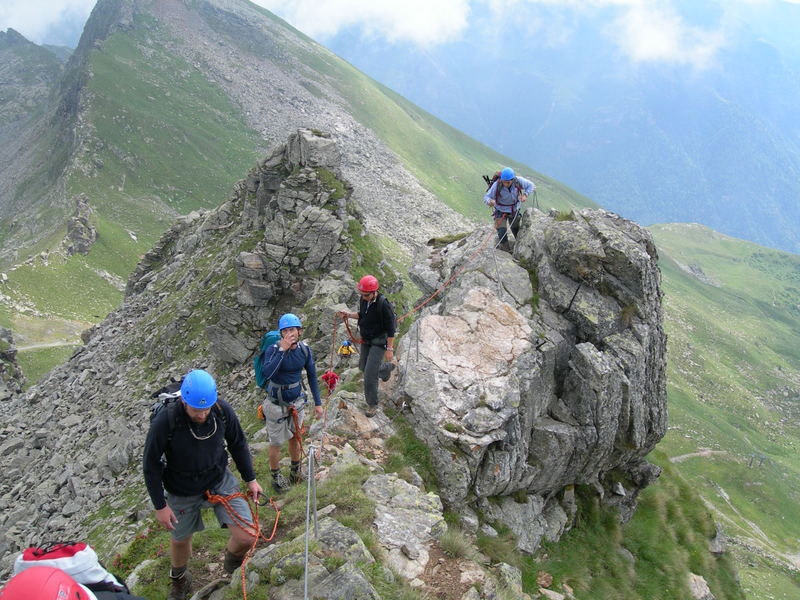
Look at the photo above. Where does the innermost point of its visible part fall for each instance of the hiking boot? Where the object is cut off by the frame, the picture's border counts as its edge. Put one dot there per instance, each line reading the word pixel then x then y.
pixel 505 247
pixel 385 371
pixel 371 411
pixel 296 477
pixel 279 483
pixel 232 562
pixel 181 586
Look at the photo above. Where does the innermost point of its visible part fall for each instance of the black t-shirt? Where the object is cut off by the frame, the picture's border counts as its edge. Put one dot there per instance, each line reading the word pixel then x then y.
pixel 376 318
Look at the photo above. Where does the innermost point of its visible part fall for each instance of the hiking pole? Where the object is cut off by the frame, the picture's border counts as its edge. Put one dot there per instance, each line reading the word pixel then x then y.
pixel 311 482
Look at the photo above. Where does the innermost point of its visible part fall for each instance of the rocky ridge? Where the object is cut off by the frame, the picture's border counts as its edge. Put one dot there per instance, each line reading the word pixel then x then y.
pixel 532 389
pixel 258 62
pixel 529 375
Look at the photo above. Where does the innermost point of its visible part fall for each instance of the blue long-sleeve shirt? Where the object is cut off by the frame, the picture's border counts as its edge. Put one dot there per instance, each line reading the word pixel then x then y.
pixel 284 367
pixel 507 198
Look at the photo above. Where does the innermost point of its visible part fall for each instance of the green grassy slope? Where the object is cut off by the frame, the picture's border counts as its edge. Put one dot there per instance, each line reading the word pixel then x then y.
pixel 163 141
pixel 649 557
pixel 732 316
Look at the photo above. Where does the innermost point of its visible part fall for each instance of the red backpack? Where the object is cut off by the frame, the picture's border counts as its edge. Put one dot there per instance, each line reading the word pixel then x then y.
pixel 78 560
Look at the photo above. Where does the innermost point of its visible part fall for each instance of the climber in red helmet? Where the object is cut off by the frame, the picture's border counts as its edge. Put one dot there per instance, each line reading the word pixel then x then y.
pixel 376 324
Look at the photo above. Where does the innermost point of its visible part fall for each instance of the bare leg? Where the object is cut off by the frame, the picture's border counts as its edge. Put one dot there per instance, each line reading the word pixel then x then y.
pixel 180 551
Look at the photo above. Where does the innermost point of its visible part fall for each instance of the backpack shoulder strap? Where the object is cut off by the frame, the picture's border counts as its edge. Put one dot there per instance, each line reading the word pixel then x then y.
pixel 172 415
pixel 221 412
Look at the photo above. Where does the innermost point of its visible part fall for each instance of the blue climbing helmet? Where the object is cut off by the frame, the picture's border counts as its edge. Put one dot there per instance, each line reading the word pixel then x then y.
pixel 199 390
pixel 507 174
pixel 289 320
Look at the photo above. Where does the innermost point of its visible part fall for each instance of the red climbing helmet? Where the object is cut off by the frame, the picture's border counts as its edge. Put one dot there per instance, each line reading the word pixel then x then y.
pixel 43 583
pixel 368 283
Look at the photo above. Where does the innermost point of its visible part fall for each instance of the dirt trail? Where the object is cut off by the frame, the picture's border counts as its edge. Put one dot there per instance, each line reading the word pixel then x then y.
pixel 702 452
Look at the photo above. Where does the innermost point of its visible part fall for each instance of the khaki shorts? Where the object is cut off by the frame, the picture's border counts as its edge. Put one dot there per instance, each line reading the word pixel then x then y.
pixel 280 426
pixel 187 508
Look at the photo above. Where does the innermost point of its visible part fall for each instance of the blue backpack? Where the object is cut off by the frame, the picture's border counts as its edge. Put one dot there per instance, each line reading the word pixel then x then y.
pixel 269 339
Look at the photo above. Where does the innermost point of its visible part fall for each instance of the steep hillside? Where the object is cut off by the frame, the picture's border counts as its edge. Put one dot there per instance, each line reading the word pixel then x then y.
pixel 151 120
pixel 30 74
pixel 732 315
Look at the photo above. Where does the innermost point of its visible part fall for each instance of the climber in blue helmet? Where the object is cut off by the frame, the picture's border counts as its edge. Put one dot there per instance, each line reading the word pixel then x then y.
pixel 284 406
pixel 505 194
pixel 186 455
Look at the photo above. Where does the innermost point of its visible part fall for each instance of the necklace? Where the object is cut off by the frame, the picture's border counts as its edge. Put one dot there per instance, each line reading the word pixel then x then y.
pixel 203 437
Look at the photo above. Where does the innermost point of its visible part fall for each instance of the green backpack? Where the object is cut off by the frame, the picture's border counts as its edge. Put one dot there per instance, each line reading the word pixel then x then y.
pixel 268 340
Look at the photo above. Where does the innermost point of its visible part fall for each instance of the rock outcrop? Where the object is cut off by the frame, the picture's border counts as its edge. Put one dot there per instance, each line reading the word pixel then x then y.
pixel 81 234
pixel 541 371
pixel 11 377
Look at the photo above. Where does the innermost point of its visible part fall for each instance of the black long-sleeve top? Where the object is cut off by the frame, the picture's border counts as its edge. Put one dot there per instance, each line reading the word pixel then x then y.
pixel 376 318
pixel 193 466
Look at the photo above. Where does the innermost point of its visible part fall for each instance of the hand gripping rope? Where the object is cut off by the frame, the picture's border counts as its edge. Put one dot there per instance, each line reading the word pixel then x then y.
pixel 252 527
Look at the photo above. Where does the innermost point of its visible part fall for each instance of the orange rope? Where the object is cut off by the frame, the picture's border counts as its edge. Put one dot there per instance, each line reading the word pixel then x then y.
pixel 450 280
pixel 299 431
pixel 438 291
pixel 253 528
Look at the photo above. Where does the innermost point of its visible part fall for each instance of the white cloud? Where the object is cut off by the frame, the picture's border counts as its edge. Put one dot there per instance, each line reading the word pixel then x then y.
pixel 421 22
pixel 649 33
pixel 35 18
pixel 644 30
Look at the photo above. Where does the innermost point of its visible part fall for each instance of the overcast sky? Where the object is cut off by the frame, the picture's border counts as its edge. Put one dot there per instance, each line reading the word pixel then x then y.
pixel 645 30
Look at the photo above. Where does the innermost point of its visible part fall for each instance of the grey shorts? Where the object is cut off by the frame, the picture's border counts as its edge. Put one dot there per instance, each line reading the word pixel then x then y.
pixel 280 426
pixel 187 508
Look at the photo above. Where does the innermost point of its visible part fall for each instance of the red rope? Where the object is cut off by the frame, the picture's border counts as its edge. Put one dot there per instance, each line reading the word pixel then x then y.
pixel 299 431
pixel 436 292
pixel 253 528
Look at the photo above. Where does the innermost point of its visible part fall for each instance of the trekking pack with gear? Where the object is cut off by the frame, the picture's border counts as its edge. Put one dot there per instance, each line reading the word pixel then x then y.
pixel 169 398
pixel 496 177
pixel 269 339
pixel 79 561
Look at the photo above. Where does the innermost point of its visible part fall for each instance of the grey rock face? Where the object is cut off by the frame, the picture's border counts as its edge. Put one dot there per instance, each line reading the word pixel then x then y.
pixel 200 298
pixel 11 377
pixel 525 392
pixel 81 234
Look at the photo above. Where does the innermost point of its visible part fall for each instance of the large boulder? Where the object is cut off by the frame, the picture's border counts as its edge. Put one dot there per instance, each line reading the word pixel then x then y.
pixel 541 370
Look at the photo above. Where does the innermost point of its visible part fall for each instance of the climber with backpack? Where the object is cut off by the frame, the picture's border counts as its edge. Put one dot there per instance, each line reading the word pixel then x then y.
pixel 282 366
pixel 377 325
pixel 186 454
pixel 506 192
pixel 63 570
